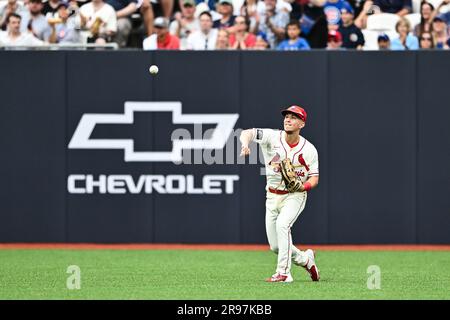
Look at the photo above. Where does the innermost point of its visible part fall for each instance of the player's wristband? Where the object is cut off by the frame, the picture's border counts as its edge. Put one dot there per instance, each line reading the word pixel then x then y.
pixel 307 186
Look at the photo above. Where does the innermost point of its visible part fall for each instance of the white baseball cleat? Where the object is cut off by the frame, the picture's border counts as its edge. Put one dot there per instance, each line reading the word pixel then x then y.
pixel 311 266
pixel 277 277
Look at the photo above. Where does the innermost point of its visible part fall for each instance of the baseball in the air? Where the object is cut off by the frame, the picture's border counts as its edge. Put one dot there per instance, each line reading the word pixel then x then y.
pixel 153 69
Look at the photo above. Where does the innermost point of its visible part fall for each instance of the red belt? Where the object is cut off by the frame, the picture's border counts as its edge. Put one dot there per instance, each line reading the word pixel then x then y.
pixel 276 191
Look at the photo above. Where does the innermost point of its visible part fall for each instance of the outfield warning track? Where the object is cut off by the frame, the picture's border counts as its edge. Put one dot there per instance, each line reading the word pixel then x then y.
pixel 238 247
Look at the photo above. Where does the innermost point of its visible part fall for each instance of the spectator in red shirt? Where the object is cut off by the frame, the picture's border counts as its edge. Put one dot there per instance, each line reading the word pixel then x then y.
pixel 242 39
pixel 165 40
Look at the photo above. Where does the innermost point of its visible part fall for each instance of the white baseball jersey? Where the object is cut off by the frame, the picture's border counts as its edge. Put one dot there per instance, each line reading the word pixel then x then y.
pixel 275 148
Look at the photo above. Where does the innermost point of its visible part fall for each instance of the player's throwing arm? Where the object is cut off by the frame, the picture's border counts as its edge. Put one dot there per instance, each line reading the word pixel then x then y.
pixel 246 138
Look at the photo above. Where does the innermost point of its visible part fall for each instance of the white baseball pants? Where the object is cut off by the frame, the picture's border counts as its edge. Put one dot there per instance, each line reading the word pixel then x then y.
pixel 281 213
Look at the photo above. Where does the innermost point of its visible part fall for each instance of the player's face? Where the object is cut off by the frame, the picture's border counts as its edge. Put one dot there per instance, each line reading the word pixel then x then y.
pixel 292 123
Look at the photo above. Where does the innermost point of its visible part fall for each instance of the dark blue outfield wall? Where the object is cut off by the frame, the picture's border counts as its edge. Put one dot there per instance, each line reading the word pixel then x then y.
pixel 379 121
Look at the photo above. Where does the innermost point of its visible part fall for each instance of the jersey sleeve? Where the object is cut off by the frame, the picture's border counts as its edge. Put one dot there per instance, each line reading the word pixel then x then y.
pixel 262 136
pixel 314 166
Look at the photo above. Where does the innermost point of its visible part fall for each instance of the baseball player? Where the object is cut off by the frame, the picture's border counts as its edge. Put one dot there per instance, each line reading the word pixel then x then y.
pixel 292 169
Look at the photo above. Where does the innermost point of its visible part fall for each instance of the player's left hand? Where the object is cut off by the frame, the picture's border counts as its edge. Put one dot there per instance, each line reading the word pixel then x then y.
pixel 287 170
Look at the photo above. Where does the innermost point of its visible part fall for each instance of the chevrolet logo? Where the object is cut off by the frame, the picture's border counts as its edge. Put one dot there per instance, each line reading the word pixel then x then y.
pixel 81 138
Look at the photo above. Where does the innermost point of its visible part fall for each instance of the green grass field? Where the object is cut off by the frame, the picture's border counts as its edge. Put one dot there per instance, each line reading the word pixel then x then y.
pixel 185 274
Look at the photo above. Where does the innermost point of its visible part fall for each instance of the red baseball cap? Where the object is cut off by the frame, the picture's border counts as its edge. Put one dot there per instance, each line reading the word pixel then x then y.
pixel 334 35
pixel 298 111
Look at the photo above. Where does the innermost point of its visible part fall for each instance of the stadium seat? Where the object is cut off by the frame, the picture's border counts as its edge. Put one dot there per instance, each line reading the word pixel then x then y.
pixel 413 18
pixel 382 22
pixel 416 6
pixel 392 34
pixel 370 39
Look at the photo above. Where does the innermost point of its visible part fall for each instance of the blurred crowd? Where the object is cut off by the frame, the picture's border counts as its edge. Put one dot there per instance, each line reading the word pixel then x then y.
pixel 228 24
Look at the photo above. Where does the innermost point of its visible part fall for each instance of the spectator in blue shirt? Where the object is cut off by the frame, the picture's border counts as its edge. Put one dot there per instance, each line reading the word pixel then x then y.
pixel 295 42
pixel 405 41
pixel 332 9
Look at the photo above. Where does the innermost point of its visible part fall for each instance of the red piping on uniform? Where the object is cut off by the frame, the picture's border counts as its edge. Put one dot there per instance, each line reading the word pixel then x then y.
pixel 289 247
pixel 281 141
pixel 292 146
pixel 293 157
pixel 289 228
